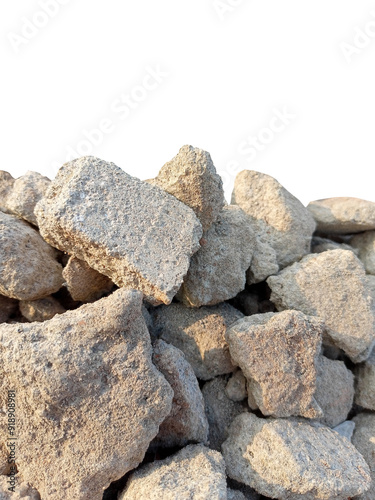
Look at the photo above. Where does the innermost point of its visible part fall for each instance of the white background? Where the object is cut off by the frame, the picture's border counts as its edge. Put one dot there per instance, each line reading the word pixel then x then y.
pixel 227 66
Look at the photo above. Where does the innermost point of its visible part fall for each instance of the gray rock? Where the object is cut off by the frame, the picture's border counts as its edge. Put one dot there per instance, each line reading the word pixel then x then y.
pixel 236 387
pixel 235 495
pixel 22 490
pixel 41 309
pixel 187 422
pixel 7 308
pixel 319 245
pixel 365 383
pixel 289 225
pixel 195 472
pixel 136 234
pixel 218 270
pixel 292 460
pixel 333 286
pixel 343 215
pixel 265 258
pixel 89 400
pixel 364 440
pixel 28 266
pixel 6 185
pixel 278 353
pixel 242 492
pixel 365 244
pixel 346 429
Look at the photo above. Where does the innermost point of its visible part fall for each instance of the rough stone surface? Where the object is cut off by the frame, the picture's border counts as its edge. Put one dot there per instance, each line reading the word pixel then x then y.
pixel 83 282
pixel 187 422
pixel 365 244
pixel 22 490
pixel 28 266
pixel 278 353
pixel 292 460
pixel 289 225
pixel 199 334
pixel 218 270
pixel 7 308
pixel 89 399
pixel 319 245
pixel 265 259
pixel 6 185
pixel 346 429
pixel 195 472
pixel 191 177
pixel 333 286
pixel 135 233
pixel 365 383
pixel 236 387
pixel 220 411
pixel 364 440
pixel 41 309
pixel 343 215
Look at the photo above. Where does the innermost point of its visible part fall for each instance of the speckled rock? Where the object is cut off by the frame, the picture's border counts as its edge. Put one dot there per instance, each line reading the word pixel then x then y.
pixel 6 185
pixel 364 440
pixel 346 429
pixel 41 309
pixel 365 244
pixel 21 490
pixel 365 383
pixel 7 308
pixel 136 234
pixel 265 259
pixel 236 387
pixel 319 245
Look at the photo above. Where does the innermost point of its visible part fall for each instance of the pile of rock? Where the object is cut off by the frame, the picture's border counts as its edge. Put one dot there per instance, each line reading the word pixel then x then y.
pixel 158 343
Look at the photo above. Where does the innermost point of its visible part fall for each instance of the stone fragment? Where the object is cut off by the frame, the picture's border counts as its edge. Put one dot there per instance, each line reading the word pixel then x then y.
pixel 278 353
pixel 346 429
pixel 333 286
pixel 7 308
pixel 195 472
pixel 83 282
pixel 41 309
pixel 343 215
pixel 365 244
pixel 289 225
pixel 265 259
pixel 89 399
pixel 236 387
pixel 319 245
pixel 6 185
pixel 292 460
pixel 22 490
pixel 136 234
pixel 365 383
pixel 236 488
pixel 191 177
pixel 199 334
pixel 28 266
pixel 218 270
pixel 220 411
pixel 187 422
pixel 364 440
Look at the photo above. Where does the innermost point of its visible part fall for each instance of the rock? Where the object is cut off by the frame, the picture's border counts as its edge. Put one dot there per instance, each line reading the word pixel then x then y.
pixel 365 244
pixel 242 491
pixel 343 215
pixel 191 177
pixel 83 282
pixel 136 234
pixel 365 383
pixel 364 440
pixel 288 224
pixel 194 472
pixel 6 185
pixel 346 429
pixel 199 334
pixel 89 400
pixel 290 459
pixel 333 286
pixel 220 411
pixel 334 391
pixel 28 266
pixel 236 387
pixel 278 353
pixel 265 259
pixel 218 270
pixel 41 309
pixel 7 308
pixel 235 495
pixel 22 490
pixel 319 245
pixel 187 421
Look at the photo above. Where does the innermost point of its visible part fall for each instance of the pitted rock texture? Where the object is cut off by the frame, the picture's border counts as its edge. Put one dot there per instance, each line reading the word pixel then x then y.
pixel 22 490
pixel 136 234
pixel 41 309
pixel 265 260
pixel 364 440
pixel 364 243
pixel 365 383
pixel 236 387
pixel 89 400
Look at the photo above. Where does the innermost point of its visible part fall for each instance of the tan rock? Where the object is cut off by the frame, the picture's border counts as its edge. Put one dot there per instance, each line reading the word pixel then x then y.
pixel 319 245
pixel 7 308
pixel 41 309
pixel 6 185
pixel 265 258
pixel 22 490
pixel 365 244
pixel 236 387
pixel 364 440
pixel 365 383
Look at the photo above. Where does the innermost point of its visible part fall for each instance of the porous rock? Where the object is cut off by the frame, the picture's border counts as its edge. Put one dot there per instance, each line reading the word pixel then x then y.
pixel 41 309
pixel 236 387
pixel 89 399
pixel 21 490
pixel 365 244
pixel 364 440
pixel 265 259
pixel 365 383
pixel 136 234
pixel 292 460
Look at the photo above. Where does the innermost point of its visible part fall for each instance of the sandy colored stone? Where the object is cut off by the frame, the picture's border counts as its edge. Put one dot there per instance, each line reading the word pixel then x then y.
pixel 236 387
pixel 319 245
pixel 334 391
pixel 278 353
pixel 41 309
pixel 28 266
pixel 365 383
pixel 191 177
pixel 265 259
pixel 6 185
pixel 89 399
pixel 292 460
pixel 83 282
pixel 220 411
pixel 289 225
pixel 365 244
pixel 199 334
pixel 364 440
pixel 187 422
pixel 218 270
pixel 333 286
pixel 346 429
pixel 135 233
pixel 343 215
pixel 7 308
pixel 195 472
pixel 22 490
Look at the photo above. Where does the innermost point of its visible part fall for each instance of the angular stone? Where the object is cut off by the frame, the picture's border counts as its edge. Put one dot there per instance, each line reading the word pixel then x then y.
pixel 89 399
pixel 343 215
pixel 289 225
pixel 6 185
pixel 191 177
pixel 346 429
pixel 292 460
pixel 199 334
pixel 41 309
pixel 83 282
pixel 194 472
pixel 365 244
pixel 218 270
pixel 265 260
pixel 333 286
pixel 187 422
pixel 278 353
pixel 22 490
pixel 365 383
pixel 28 266
pixel 136 234
pixel 319 245
pixel 334 391
pixel 7 308
pixel 236 387
pixel 364 440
